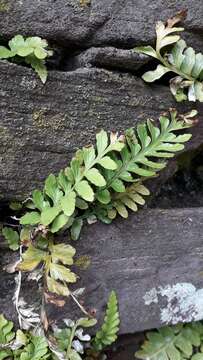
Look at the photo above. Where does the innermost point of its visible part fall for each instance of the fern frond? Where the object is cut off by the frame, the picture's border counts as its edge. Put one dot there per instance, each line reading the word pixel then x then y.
pixel 37 349
pixel 109 330
pixel 172 343
pixel 181 60
pixel 32 49
pixel 56 259
pixel 6 330
pixel 104 177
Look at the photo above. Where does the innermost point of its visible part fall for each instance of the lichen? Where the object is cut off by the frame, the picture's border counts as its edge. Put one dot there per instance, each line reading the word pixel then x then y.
pixel 42 119
pixel 84 3
pixel 184 303
pixel 4 6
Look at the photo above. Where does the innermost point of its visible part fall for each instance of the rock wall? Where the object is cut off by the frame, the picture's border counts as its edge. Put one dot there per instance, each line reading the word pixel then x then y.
pixel 94 82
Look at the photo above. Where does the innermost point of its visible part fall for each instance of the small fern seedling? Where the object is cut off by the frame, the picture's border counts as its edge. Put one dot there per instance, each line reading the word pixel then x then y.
pixel 178 59
pixel 33 50
pixel 107 335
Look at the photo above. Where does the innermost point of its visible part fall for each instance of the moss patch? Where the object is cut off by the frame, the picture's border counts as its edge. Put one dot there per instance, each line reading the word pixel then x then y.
pixel 45 120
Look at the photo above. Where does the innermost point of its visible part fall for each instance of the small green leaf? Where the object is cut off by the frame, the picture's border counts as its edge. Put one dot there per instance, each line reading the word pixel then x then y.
pixel 15 205
pixel 118 186
pixel 153 75
pixel 16 42
pixel 56 287
pixel 31 258
pixel 5 53
pixel 103 196
pixel 40 53
pixel 147 50
pixel 198 356
pixel 81 204
pixel 30 218
pixel 68 203
pixel 94 176
pixel 60 272
pixel 12 238
pixel 102 141
pixel 59 222
pixel 107 163
pixel 85 322
pixel 38 199
pixel 120 207
pixel 39 67
pixel 76 229
pixel 63 253
pixel 49 214
pixel 6 330
pixel 84 190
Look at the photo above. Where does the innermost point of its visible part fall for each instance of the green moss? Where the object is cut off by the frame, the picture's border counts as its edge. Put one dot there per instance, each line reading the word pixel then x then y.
pixel 4 6
pixel 43 120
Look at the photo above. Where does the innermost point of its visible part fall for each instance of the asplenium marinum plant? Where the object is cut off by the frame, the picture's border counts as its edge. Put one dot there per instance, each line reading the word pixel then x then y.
pixel 100 182
pixel 33 50
pixel 68 343
pixel 174 55
pixel 173 343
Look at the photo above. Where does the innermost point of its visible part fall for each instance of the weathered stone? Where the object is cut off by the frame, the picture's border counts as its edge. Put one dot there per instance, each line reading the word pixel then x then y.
pixel 108 57
pixel 146 258
pixel 101 23
pixel 42 125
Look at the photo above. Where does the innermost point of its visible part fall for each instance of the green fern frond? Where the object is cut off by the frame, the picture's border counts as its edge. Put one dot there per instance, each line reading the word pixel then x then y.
pixel 37 349
pixel 12 238
pixel 32 49
pixel 173 343
pixel 96 176
pixel 56 260
pixel 6 330
pixel 109 330
pixel 129 200
pixel 183 61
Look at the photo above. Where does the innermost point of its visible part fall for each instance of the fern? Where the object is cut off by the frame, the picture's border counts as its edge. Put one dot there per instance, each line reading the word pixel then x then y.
pixel 71 339
pixel 19 346
pixel 173 343
pixel 32 49
pixel 37 349
pixel 6 336
pixel 109 330
pixel 100 181
pixel 180 60
pixel 55 259
pixel 12 238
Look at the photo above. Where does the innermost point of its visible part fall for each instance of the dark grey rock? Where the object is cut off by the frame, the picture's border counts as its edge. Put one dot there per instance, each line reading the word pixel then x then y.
pixel 42 125
pixel 142 259
pixel 120 23
pixel 108 57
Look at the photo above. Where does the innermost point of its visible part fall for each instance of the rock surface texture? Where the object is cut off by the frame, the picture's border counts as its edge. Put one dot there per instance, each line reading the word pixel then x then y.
pixel 95 82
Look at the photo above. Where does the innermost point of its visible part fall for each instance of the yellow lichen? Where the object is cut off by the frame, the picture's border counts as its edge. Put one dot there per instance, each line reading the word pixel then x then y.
pixel 4 6
pixel 42 119
pixel 84 3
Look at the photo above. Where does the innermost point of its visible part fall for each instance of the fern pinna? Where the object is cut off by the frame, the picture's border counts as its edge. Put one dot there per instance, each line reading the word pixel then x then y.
pixel 107 335
pixel 100 183
pixel 173 343
pixel 180 59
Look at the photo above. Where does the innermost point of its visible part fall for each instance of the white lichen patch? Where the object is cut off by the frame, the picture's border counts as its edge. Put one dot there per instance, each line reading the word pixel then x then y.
pixel 27 83
pixel 184 303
